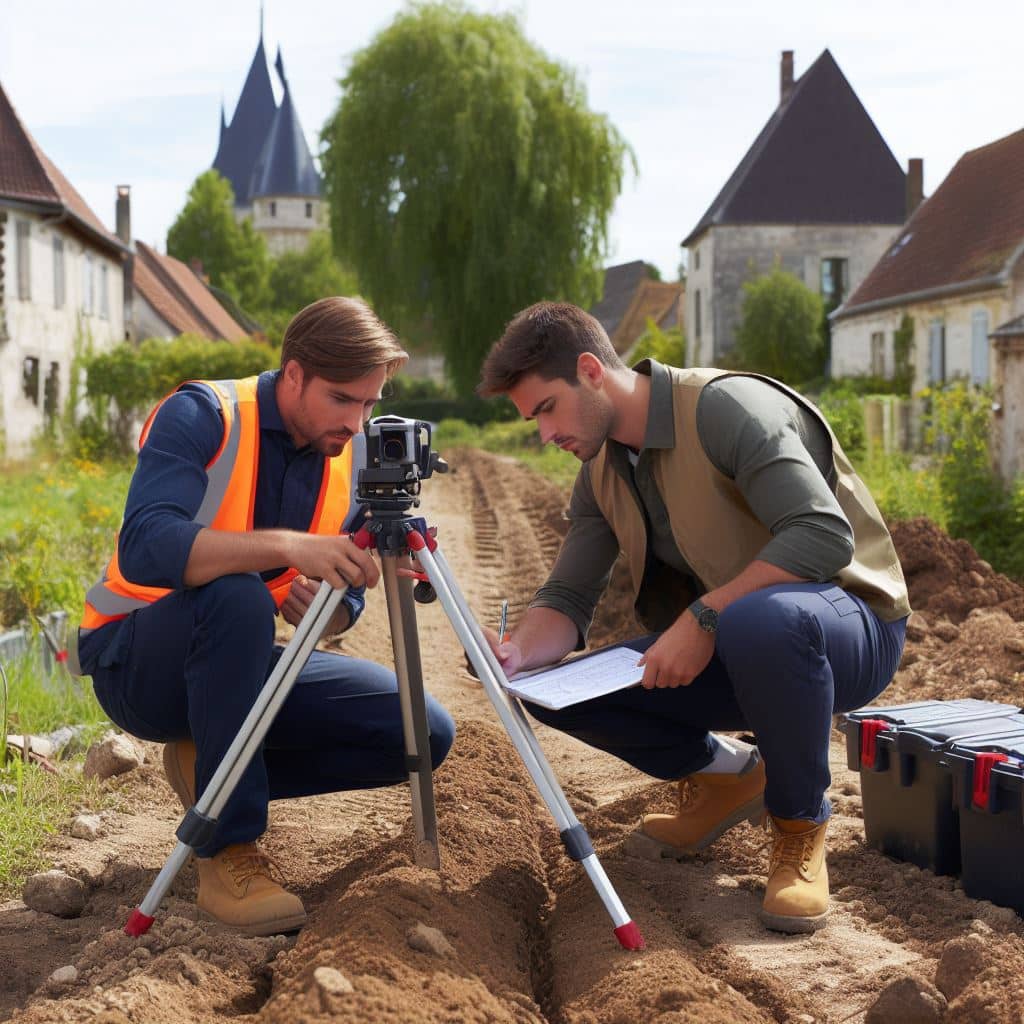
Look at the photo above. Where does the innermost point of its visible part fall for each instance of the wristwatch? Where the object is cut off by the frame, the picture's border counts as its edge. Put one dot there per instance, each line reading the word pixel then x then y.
pixel 707 618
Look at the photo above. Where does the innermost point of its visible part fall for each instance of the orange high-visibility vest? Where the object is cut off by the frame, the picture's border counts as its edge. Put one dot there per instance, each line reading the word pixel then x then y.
pixel 229 500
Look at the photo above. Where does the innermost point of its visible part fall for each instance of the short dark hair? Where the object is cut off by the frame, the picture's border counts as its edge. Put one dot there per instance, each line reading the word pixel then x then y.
pixel 341 339
pixel 546 339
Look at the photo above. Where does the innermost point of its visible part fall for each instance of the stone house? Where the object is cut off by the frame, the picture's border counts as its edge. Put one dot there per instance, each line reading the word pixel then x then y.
pixel 63 281
pixel 956 269
pixel 819 193
pixel 264 154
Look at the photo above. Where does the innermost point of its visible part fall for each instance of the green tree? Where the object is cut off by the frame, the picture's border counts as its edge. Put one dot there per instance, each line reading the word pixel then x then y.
pixel 780 333
pixel 299 278
pixel 233 255
pixel 467 178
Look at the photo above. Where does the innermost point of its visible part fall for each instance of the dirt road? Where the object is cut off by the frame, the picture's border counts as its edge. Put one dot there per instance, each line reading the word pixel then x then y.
pixel 526 938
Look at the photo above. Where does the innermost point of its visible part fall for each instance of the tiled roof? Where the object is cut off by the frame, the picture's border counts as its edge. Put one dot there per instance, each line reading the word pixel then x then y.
pixel 180 297
pixel 819 160
pixel 620 284
pixel 966 232
pixel 27 174
pixel 655 300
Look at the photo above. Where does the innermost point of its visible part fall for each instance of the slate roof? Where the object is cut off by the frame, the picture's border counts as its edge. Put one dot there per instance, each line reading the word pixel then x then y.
pixel 28 175
pixel 961 237
pixel 180 297
pixel 819 160
pixel 263 150
pixel 285 165
pixel 620 284
pixel 1011 329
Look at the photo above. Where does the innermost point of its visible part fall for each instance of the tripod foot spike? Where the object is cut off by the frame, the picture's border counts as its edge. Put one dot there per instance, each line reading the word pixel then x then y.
pixel 138 924
pixel 629 936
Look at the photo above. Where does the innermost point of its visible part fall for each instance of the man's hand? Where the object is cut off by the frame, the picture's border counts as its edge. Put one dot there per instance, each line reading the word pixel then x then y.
pixel 338 560
pixel 300 597
pixel 678 656
pixel 508 653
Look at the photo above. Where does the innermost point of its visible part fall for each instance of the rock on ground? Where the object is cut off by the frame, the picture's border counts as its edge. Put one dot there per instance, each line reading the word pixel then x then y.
pixel 54 892
pixel 113 755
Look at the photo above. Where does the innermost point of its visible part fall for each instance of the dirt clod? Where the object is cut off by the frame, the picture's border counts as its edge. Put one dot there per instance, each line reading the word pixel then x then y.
pixel 961 962
pixel 908 1000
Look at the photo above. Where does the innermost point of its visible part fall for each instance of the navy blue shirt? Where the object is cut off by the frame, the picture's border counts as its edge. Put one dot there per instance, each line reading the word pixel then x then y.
pixel 169 482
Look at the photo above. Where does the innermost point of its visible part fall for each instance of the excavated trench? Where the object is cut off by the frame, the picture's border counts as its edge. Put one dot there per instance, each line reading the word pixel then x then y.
pixel 521 936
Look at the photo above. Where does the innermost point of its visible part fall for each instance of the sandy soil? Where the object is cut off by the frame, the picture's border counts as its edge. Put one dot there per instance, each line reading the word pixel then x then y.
pixel 529 940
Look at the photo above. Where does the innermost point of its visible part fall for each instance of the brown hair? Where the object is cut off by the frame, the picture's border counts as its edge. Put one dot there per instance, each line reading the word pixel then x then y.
pixel 341 339
pixel 546 339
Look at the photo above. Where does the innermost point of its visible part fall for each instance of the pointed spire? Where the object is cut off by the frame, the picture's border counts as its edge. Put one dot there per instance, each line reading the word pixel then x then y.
pixel 279 67
pixel 261 21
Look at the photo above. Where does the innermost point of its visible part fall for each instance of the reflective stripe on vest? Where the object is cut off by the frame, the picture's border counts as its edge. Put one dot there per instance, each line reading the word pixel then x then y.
pixel 229 500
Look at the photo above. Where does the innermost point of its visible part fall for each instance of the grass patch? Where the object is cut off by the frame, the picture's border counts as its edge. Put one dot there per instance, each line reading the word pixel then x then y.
pixel 518 439
pixel 35 803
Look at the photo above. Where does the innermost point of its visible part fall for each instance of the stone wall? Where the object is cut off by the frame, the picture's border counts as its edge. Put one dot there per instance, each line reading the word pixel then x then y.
pixel 739 253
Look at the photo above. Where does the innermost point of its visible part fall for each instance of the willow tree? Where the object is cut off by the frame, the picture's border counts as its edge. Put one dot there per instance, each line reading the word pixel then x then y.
pixel 467 178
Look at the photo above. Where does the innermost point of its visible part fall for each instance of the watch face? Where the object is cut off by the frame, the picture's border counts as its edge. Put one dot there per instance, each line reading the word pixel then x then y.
pixel 708 620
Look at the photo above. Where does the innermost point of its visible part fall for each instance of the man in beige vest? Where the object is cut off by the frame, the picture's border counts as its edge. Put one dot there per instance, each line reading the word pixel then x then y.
pixel 758 559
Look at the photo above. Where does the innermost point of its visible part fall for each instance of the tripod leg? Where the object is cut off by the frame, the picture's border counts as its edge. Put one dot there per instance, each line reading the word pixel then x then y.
pixel 200 821
pixel 415 728
pixel 574 836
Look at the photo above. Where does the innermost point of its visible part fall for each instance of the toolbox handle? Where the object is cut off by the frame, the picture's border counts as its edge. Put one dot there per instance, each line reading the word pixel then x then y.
pixel 869 730
pixel 982 794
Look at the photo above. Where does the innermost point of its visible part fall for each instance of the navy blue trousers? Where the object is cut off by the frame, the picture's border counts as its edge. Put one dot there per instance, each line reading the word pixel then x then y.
pixel 193 663
pixel 786 659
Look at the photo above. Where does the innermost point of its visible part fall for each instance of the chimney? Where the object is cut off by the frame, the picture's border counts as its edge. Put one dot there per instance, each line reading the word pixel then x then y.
pixel 785 76
pixel 915 184
pixel 196 266
pixel 124 213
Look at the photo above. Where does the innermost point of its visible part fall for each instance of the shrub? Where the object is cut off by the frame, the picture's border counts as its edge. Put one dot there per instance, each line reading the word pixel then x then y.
pixel 667 347
pixel 780 332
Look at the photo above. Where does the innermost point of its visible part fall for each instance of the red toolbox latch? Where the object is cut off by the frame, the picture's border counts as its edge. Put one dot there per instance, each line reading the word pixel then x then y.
pixel 869 730
pixel 983 764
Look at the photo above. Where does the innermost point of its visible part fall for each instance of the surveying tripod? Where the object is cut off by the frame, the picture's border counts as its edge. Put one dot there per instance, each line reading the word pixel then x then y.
pixel 397 460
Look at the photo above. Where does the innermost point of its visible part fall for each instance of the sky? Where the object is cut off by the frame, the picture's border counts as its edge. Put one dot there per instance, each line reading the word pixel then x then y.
pixel 130 92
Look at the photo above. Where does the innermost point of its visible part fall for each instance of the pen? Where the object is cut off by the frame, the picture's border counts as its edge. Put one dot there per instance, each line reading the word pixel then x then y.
pixel 503 622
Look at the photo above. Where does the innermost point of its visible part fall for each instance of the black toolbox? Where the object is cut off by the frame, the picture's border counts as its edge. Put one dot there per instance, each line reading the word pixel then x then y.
pixel 907 795
pixel 987 771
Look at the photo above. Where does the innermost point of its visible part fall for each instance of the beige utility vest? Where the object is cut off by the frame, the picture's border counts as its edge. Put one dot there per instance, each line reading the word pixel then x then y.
pixel 713 526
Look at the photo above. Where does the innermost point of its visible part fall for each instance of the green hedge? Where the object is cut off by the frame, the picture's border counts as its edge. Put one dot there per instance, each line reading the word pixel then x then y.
pixel 124 383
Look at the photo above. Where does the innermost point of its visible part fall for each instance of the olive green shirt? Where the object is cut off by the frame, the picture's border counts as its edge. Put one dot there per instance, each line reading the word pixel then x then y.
pixel 776 452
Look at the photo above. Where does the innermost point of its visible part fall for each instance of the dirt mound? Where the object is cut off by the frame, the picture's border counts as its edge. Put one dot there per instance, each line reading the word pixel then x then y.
pixel 946 578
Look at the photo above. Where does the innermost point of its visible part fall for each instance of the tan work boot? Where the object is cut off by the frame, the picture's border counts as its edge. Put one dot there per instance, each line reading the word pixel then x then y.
pixel 710 803
pixel 241 887
pixel 180 769
pixel 796 896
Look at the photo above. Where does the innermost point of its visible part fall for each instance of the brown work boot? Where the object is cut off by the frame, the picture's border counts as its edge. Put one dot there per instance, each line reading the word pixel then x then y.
pixel 180 769
pixel 796 896
pixel 710 803
pixel 241 887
